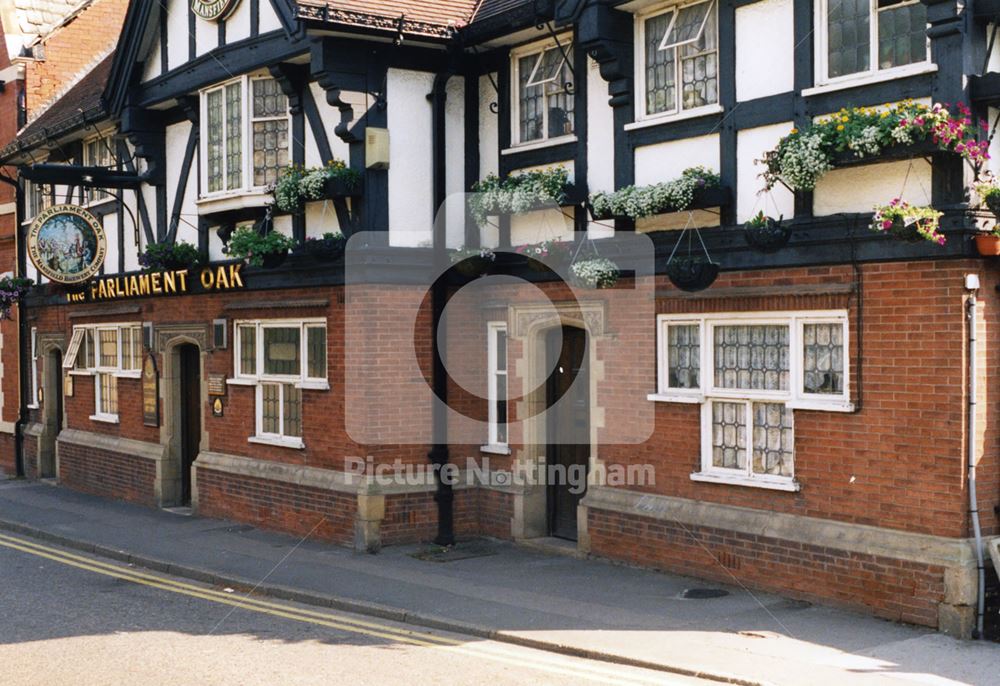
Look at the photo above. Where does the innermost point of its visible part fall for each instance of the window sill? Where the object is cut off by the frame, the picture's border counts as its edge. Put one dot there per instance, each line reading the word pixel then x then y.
pixel 772 483
pixel 293 443
pixel 34 406
pixel 820 405
pixel 313 385
pixel 659 120
pixel 80 372
pixel 106 418
pixel 538 145
pixel 871 78
pixel 676 398
pixel 241 382
pixel 232 201
pixel 134 374
pixel 495 449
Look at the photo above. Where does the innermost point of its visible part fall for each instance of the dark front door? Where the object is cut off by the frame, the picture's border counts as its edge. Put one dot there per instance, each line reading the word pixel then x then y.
pixel 190 414
pixel 567 426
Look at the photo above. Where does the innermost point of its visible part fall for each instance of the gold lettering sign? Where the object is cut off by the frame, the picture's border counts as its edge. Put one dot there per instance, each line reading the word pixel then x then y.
pixel 66 243
pixel 213 10
pixel 223 277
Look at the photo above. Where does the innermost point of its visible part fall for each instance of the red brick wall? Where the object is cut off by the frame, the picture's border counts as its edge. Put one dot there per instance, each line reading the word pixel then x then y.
pixel 299 510
pixel 890 588
pixel 412 518
pixel 8 467
pixel 106 473
pixel 29 449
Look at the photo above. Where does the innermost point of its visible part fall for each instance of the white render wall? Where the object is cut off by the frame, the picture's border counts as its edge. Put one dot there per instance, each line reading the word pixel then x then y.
pixel 411 206
pixel 764 49
pixel 665 161
pixel 177 35
pixel 600 143
pixel 238 23
pixel 177 138
pixel 751 144
pixel 489 131
pixel 858 189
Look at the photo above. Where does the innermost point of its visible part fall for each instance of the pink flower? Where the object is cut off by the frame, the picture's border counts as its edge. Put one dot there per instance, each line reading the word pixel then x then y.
pixel 886 224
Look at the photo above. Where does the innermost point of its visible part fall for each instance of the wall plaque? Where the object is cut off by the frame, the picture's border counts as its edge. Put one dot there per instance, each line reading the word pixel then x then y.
pixel 68 385
pixel 213 10
pixel 217 409
pixel 150 392
pixel 66 243
pixel 216 384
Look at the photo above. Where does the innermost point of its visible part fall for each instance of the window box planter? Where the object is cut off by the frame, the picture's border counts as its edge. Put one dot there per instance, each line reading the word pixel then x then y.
pixel 704 198
pixel 520 193
pixel 893 153
pixel 692 274
pixel 696 188
pixel 340 187
pixel 988 244
pixel 325 249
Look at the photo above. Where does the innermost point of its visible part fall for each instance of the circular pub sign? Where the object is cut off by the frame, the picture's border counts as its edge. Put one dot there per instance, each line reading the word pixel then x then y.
pixel 213 10
pixel 67 244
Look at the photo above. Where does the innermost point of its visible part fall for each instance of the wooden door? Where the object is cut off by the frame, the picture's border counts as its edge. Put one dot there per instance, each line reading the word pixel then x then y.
pixel 190 414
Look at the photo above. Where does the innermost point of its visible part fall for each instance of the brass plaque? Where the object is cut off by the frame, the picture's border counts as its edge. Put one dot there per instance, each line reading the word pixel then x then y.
pixel 216 384
pixel 217 408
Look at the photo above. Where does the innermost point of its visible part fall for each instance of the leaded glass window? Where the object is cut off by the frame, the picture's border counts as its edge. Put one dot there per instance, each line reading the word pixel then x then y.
pixel 234 136
pixel 107 394
pixel 773 439
pixel 729 435
pixel 248 350
pixel 270 131
pixel 545 100
pixel 681 47
pixel 271 408
pixel 862 35
pixel 497 364
pixel 214 141
pixel 281 410
pixel 823 358
pixel 282 351
pixel 97 153
pixel 752 357
pixel 316 352
pixel 684 356
pixel 291 410
pixel 108 348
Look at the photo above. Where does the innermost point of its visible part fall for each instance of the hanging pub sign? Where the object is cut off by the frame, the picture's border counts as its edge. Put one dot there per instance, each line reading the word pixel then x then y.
pixel 150 392
pixel 66 243
pixel 213 10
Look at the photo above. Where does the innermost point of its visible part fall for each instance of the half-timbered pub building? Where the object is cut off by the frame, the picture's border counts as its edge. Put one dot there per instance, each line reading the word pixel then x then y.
pixel 772 391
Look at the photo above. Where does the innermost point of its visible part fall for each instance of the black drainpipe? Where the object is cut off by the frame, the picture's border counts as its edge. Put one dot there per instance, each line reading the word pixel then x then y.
pixel 438 455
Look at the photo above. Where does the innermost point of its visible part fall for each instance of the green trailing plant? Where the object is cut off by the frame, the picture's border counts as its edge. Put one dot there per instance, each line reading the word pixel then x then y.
pixel 328 246
pixel 989 194
pixel 472 261
pixel 908 222
pixel 298 185
pixel 163 256
pixel 595 272
pixel 518 193
pixel 803 156
pixel 255 248
pixel 765 233
pixel 12 289
pixel 636 202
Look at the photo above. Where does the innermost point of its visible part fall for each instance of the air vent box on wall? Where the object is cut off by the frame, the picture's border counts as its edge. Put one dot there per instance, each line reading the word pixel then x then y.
pixel 376 148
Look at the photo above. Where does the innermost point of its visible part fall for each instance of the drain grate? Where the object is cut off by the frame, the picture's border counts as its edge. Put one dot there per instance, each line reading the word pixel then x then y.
pixel 704 593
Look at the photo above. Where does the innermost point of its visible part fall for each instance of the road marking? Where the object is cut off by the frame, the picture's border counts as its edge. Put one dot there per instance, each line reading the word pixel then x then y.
pixel 547 662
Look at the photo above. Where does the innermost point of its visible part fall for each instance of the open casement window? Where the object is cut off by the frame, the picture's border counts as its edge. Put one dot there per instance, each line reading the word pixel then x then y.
pixel 497 383
pixel 108 352
pixel 245 127
pixel 679 58
pixel 749 373
pixel 858 37
pixel 97 153
pixel 280 358
pixel 543 93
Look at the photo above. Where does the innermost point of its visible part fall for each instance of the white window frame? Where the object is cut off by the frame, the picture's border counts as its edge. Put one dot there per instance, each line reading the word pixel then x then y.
pixel 97 195
pixel 679 111
pixel 79 344
pixel 30 205
pixel 873 71
pixel 794 398
pixel 493 443
pixel 258 379
pixel 516 55
pixel 34 369
pixel 246 138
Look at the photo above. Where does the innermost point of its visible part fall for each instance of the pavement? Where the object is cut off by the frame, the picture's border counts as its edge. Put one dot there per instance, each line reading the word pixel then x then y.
pixel 514 594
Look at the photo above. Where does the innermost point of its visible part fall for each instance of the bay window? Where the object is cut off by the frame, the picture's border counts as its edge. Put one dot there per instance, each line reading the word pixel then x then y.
pixel 678 61
pixel 542 92
pixel 107 352
pixel 280 358
pixel 245 129
pixel 859 37
pixel 749 372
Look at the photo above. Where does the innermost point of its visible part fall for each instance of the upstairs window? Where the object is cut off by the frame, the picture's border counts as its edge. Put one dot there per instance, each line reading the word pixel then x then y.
pixel 679 59
pixel 245 125
pixel 542 78
pixel 865 36
pixel 97 153
pixel 39 198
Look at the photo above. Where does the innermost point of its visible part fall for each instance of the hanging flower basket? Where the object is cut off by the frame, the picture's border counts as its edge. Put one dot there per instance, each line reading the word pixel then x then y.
pixel 765 234
pixel 168 256
pixel 595 272
pixel 910 223
pixel 693 273
pixel 267 250
pixel 989 193
pixel 473 262
pixel 12 289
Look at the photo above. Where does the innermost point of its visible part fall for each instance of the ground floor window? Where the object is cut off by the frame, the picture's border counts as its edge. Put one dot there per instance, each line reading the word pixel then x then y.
pixel 497 383
pixel 34 368
pixel 107 352
pixel 749 372
pixel 280 358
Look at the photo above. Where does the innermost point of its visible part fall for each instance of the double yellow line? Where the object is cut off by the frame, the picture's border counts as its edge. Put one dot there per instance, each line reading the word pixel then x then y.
pixel 512 655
